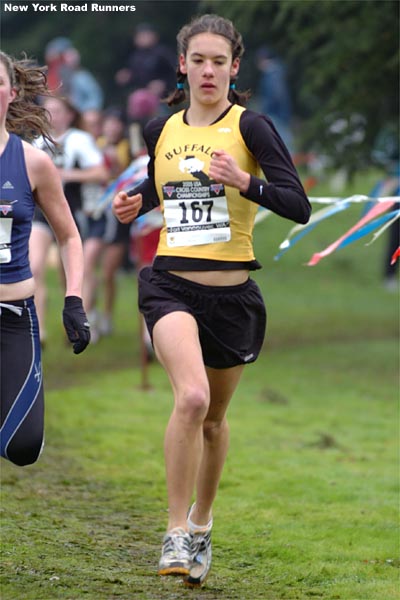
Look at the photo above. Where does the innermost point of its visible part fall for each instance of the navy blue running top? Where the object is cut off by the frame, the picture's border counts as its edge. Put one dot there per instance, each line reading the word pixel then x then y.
pixel 16 213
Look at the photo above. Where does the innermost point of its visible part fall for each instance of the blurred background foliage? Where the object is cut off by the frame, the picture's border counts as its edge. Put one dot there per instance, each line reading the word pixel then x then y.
pixel 342 58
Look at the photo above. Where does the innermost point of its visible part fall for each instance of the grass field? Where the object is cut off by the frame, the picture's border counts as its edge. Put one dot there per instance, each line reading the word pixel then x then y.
pixel 308 504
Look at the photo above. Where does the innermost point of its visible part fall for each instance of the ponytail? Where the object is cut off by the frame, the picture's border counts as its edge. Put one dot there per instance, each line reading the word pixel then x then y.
pixel 179 93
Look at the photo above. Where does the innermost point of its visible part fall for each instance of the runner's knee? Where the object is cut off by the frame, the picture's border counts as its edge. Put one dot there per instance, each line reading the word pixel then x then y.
pixel 24 452
pixel 213 429
pixel 193 403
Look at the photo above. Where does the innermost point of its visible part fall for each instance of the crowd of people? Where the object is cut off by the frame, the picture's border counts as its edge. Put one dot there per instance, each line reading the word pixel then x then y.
pixel 92 145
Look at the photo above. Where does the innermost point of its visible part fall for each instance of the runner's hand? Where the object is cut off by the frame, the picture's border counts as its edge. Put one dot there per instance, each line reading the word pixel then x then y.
pixel 126 208
pixel 224 169
pixel 76 323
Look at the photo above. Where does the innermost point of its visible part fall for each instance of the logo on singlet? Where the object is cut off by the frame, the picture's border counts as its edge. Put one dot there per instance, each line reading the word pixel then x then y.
pixel 6 223
pixel 169 190
pixel 7 186
pixel 5 207
pixel 190 164
pixel 217 188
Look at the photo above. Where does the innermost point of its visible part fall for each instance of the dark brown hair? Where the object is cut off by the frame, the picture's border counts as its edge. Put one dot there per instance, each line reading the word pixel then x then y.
pixel 76 116
pixel 25 116
pixel 208 24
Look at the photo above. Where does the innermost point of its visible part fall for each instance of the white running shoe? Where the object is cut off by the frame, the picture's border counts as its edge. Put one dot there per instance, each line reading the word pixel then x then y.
pixel 105 325
pixel 176 553
pixel 201 553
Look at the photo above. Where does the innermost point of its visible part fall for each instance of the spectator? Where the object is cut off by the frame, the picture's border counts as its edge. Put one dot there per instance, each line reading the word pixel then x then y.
pixel 79 85
pixel 273 93
pixel 391 271
pixel 150 66
pixel 142 105
pixel 80 165
pixel 386 153
pixel 92 122
pixel 106 244
pixel 54 58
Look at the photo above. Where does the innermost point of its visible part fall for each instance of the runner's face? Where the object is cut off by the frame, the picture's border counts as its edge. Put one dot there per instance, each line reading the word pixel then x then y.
pixel 60 115
pixel 7 93
pixel 209 68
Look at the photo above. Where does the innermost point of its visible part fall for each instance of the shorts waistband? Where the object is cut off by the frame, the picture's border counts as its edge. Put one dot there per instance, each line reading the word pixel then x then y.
pixel 201 287
pixel 18 303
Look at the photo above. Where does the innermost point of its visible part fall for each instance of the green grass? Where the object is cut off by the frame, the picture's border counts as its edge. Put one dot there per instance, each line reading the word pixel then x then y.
pixel 308 503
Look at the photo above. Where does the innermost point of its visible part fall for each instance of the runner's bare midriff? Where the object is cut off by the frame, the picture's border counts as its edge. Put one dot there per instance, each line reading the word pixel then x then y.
pixel 20 290
pixel 216 278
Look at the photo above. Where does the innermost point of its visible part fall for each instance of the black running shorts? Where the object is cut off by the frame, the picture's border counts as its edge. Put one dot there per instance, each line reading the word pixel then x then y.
pixel 231 319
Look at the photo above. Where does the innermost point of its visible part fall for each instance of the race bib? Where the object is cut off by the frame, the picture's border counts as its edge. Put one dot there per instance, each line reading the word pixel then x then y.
pixel 196 213
pixel 6 221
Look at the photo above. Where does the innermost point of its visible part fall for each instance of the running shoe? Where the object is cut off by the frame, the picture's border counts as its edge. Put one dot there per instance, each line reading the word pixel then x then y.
pixel 176 553
pixel 201 553
pixel 105 326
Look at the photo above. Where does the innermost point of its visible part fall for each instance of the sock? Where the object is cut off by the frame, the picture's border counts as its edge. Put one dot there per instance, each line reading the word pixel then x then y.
pixel 193 528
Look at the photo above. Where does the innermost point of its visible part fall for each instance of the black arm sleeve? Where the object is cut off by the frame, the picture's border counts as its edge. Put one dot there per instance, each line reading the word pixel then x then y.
pixel 283 192
pixel 149 195
pixel 147 187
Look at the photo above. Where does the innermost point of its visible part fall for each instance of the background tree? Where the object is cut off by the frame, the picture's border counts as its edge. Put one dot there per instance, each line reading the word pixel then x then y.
pixel 103 39
pixel 343 63
pixel 342 58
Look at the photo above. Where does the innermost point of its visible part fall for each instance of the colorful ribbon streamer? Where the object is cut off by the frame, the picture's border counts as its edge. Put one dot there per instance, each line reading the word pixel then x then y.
pixel 396 214
pixel 133 174
pixel 395 256
pixel 315 218
pixel 375 211
pixel 366 229
pixel 375 207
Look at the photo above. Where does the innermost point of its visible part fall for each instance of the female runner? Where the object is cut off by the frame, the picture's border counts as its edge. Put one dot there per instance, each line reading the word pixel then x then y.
pixel 29 178
pixel 210 167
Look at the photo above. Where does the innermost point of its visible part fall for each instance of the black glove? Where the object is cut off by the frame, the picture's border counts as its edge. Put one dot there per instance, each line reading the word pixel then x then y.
pixel 76 323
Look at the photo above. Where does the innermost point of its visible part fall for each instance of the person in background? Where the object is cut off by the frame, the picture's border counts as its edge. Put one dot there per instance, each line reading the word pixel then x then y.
pixel 79 85
pixel 386 153
pixel 150 63
pixel 28 178
pixel 142 106
pixel 54 59
pixel 273 93
pixel 149 70
pixel 391 271
pixel 80 165
pixel 92 122
pixel 205 315
pixel 67 77
pixel 109 245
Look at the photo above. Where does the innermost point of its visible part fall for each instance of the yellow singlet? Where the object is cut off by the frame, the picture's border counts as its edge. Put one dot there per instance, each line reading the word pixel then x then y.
pixel 203 219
